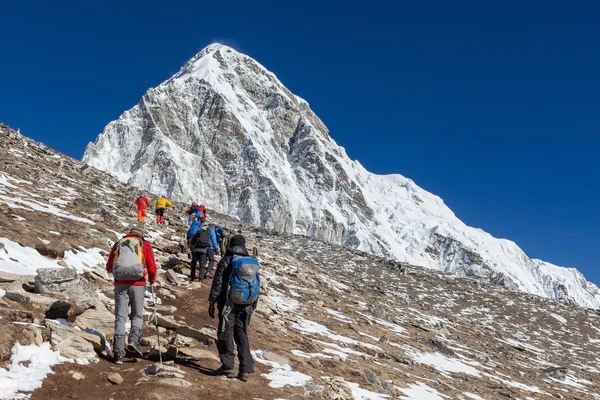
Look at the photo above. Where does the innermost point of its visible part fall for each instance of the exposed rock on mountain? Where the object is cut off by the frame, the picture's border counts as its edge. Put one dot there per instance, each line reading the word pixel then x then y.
pixel 332 322
pixel 226 131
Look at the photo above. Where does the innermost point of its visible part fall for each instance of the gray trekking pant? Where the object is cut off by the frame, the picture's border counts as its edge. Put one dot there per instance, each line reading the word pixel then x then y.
pixel 126 295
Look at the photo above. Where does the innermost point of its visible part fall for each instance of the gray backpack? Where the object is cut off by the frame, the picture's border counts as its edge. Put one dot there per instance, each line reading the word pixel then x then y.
pixel 128 265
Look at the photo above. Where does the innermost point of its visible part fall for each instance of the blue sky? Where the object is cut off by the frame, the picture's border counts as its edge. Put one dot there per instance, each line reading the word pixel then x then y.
pixel 492 105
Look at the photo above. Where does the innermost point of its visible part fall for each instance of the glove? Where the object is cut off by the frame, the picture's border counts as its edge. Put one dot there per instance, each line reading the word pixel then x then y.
pixel 211 310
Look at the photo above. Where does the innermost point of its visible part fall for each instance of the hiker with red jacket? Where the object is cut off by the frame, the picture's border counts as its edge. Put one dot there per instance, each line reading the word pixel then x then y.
pixel 203 210
pixel 131 261
pixel 142 202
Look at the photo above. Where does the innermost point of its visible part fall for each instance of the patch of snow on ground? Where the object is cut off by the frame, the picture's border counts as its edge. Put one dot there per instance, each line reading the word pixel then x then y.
pixel 54 233
pixel 84 260
pixel 19 218
pixel 2 292
pixel 420 391
pixel 473 396
pixel 518 344
pixel 559 318
pixel 278 301
pixel 17 259
pixel 442 363
pixel 37 361
pixel 362 394
pixel 514 384
pixel 282 375
pixel 45 208
pixel 300 353
pixel 307 326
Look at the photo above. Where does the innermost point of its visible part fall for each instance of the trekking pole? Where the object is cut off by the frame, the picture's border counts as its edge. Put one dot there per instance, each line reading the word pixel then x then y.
pixel 156 323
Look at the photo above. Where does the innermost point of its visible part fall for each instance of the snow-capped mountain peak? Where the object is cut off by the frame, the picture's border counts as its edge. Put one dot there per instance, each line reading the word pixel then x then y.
pixel 225 131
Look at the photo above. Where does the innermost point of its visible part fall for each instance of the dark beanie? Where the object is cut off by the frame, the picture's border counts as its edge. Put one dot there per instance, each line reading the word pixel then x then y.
pixel 237 240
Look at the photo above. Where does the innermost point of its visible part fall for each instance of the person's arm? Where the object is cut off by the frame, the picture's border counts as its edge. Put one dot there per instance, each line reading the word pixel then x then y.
pixel 150 262
pixel 213 239
pixel 217 283
pixel 169 204
pixel 147 201
pixel 111 258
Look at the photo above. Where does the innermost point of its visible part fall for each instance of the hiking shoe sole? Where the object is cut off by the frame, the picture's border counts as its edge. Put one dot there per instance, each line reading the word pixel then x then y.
pixel 135 350
pixel 243 377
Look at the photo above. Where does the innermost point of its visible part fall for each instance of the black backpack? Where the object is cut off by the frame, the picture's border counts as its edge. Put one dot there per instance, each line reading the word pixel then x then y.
pixel 194 209
pixel 202 238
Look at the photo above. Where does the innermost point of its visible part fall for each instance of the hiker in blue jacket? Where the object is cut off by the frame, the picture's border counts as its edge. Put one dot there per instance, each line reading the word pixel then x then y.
pixel 194 227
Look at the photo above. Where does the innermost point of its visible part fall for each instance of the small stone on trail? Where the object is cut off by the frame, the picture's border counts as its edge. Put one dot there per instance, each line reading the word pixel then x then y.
pixel 115 378
pixel 77 375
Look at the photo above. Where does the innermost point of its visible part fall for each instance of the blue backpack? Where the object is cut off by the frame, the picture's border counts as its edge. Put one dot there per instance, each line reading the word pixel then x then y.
pixel 244 286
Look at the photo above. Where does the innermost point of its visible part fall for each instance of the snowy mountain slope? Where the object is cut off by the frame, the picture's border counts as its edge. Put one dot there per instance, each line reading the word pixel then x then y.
pixel 227 132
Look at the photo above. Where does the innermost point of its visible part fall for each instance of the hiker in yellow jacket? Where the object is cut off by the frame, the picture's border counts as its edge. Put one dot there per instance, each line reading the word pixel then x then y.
pixel 159 209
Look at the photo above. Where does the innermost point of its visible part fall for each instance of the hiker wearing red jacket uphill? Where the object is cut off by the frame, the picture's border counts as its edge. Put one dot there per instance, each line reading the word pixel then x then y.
pixel 131 261
pixel 142 202
pixel 203 210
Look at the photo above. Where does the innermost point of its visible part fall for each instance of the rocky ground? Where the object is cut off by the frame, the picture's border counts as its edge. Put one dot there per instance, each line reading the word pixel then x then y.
pixel 332 323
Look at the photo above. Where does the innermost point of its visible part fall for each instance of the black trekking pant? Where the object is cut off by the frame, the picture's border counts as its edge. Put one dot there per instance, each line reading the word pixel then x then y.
pixel 221 247
pixel 197 258
pixel 233 327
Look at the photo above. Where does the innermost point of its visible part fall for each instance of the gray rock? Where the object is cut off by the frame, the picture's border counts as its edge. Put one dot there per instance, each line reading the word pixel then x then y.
pixel 67 282
pixel 99 319
pixel 168 321
pixel 115 378
pixel 70 344
pixel 559 373
pixel 197 354
pixel 172 276
pixel 101 273
pixel 205 333
pixel 175 382
pixel 182 341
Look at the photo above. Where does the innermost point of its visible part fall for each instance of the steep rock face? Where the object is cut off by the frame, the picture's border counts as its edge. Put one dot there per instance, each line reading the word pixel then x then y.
pixel 226 132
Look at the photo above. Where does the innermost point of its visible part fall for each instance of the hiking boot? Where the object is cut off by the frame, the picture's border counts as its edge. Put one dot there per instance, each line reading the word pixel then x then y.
pixel 118 359
pixel 243 376
pixel 226 372
pixel 208 276
pixel 135 349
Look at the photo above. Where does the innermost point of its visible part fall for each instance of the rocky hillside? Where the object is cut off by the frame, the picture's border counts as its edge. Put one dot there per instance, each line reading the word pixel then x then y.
pixel 332 323
pixel 227 132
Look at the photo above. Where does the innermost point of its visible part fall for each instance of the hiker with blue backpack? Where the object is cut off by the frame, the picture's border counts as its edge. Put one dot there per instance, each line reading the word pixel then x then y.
pixel 235 290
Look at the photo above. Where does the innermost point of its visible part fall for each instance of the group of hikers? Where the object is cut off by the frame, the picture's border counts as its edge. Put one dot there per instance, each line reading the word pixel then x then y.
pixel 233 294
pixel 142 203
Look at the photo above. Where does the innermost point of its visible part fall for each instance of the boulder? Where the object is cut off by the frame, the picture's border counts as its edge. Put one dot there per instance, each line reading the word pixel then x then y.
pixel 7 340
pixel 182 341
pixel 99 319
pixel 197 354
pixel 67 282
pixel 101 273
pixel 69 343
pixel 150 341
pixel 559 373
pixel 202 334
pixel 115 378
pixel 177 382
pixel 166 309
pixel 172 276
pixel 168 321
